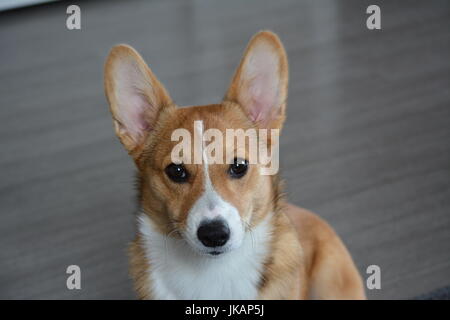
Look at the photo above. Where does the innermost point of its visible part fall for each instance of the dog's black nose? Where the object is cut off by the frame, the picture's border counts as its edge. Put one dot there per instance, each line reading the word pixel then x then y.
pixel 214 233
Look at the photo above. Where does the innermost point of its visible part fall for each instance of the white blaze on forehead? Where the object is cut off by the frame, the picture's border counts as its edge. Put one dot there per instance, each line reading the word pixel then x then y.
pixel 211 205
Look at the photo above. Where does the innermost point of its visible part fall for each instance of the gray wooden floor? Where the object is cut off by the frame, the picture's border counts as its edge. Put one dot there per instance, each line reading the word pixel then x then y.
pixel 366 145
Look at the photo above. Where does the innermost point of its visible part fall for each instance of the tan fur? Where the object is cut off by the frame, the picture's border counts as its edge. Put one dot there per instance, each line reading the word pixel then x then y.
pixel 306 258
pixel 329 267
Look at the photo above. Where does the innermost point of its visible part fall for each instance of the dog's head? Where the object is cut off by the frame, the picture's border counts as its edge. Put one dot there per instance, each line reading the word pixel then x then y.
pixel 211 197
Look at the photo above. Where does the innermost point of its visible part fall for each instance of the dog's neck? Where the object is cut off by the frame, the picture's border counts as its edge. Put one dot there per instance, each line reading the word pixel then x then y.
pixel 177 272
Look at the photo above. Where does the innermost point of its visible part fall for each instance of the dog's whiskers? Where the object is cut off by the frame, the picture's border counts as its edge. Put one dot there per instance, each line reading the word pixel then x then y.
pixel 174 230
pixel 249 228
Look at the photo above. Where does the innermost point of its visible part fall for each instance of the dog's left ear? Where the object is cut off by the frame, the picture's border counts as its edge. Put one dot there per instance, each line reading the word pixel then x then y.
pixel 135 97
pixel 260 83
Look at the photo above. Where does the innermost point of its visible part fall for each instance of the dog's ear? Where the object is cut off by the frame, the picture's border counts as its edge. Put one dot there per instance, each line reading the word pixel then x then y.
pixel 135 96
pixel 260 83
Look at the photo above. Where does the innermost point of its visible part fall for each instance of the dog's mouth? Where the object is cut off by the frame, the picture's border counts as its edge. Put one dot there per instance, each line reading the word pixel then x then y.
pixel 213 252
pixel 217 253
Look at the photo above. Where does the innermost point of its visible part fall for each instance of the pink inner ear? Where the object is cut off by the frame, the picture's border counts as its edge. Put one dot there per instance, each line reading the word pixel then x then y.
pixel 263 94
pixel 260 83
pixel 134 115
pixel 135 110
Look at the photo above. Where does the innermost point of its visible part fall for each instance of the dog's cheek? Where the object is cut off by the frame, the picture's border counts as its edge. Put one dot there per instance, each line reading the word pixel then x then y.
pixel 238 194
pixel 158 191
pixel 182 201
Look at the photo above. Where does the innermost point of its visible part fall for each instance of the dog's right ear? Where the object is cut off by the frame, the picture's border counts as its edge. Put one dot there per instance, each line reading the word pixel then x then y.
pixel 135 96
pixel 260 83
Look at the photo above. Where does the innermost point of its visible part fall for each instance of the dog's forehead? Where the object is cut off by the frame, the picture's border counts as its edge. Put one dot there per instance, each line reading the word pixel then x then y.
pixel 213 116
pixel 195 122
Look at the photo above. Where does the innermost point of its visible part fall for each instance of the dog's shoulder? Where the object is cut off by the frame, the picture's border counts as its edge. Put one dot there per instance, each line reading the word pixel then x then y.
pixel 329 267
pixel 139 268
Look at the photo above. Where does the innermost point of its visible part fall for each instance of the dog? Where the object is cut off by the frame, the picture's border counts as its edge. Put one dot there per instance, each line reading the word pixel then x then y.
pixel 220 231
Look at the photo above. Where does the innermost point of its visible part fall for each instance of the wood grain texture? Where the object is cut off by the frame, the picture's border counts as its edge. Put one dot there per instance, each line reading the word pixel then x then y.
pixel 366 144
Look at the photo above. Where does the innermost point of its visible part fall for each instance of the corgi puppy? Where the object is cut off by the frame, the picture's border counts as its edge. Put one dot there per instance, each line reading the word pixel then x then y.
pixel 220 230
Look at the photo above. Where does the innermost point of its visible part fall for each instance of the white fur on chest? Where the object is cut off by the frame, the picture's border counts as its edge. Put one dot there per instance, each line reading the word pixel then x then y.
pixel 177 272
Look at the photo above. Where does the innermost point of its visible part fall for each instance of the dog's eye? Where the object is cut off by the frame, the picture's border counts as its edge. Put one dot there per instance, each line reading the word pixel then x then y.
pixel 177 173
pixel 239 168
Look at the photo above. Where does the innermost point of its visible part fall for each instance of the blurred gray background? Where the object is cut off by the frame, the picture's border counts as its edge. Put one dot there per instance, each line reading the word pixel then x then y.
pixel 366 144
